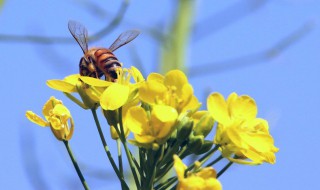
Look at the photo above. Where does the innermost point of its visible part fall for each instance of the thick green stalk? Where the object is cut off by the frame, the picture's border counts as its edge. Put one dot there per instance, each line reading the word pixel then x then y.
pixel 174 46
pixel 76 166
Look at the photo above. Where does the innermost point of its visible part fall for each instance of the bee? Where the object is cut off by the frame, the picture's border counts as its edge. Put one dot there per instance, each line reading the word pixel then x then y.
pixel 99 61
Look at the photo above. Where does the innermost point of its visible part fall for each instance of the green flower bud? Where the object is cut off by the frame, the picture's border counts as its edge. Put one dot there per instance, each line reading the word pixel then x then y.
pixel 184 127
pixel 206 146
pixel 155 146
pixel 204 126
pixel 195 143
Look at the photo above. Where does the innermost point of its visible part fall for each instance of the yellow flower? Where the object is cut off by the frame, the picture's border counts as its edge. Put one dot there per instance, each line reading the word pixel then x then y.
pixel 172 89
pixel 57 117
pixel 90 94
pixel 119 92
pixel 239 133
pixel 205 179
pixel 150 128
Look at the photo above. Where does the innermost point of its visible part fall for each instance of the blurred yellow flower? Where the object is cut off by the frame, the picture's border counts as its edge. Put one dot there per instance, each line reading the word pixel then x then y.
pixel 57 117
pixel 205 179
pixel 239 133
pixel 149 128
pixel 173 90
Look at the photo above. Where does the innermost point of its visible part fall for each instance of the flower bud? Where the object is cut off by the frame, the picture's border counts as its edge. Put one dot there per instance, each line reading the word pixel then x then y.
pixel 204 126
pixel 206 146
pixel 195 143
pixel 184 127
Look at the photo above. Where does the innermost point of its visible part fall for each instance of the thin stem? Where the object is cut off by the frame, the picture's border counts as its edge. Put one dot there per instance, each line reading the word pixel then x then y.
pixel 120 159
pixel 129 156
pixel 215 161
pixel 166 184
pixel 106 148
pixel 224 169
pixel 142 166
pixel 75 100
pixel 76 166
pixel 204 158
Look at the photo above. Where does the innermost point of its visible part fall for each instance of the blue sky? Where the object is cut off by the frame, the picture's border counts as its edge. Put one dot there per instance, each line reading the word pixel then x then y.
pixel 285 87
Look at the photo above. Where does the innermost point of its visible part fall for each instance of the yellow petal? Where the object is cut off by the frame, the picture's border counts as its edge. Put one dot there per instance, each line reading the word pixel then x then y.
pixel 185 94
pixel 114 96
pixel 192 106
pixel 72 79
pixel 175 78
pixel 242 106
pixel 179 166
pixel 217 106
pixel 36 119
pixel 95 82
pixel 61 85
pixel 152 91
pixel 61 110
pixel 136 74
pixel 137 120
pixel 163 119
pixel 70 130
pixel 156 77
pixel 207 173
pixel 49 105
pixel 144 139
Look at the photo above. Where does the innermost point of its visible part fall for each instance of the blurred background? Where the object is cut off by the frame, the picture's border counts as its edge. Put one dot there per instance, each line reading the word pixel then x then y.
pixel 268 49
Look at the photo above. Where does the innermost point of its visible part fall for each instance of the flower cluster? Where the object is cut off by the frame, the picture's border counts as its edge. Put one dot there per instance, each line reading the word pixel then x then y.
pixel 164 116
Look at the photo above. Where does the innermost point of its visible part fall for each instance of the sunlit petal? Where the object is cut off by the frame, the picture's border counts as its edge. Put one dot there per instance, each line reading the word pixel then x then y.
pixel 36 119
pixel 175 78
pixel 217 106
pixel 242 106
pixel 95 82
pixel 150 91
pixel 61 85
pixel 114 96
pixel 136 120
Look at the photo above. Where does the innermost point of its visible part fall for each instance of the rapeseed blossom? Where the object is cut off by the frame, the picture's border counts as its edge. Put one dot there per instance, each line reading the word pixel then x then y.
pixel 173 90
pixel 149 128
pixel 239 133
pixel 205 179
pixel 57 117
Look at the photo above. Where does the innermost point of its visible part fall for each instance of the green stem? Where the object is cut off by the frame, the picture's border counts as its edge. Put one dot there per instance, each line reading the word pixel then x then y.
pixel 75 100
pixel 215 161
pixel 106 148
pixel 120 159
pixel 224 169
pixel 129 156
pixel 76 166
pixel 142 168
pixel 166 184
pixel 175 45
pixel 204 158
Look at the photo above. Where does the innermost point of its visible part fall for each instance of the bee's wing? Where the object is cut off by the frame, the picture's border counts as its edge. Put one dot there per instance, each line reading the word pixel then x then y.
pixel 80 34
pixel 124 38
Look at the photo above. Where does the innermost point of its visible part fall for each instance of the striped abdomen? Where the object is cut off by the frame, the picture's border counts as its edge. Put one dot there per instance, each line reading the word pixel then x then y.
pixel 87 68
pixel 107 63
